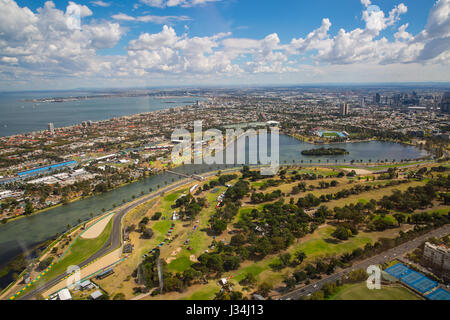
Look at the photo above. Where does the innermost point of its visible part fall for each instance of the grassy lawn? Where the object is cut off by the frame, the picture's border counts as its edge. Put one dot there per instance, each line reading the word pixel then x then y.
pixel 373 194
pixel 381 167
pixel 180 264
pixel 207 293
pixel 198 240
pixel 161 228
pixel 320 245
pixel 315 246
pixel 360 291
pixel 81 250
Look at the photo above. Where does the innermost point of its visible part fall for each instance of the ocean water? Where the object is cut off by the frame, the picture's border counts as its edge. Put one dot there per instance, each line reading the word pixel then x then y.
pixel 17 116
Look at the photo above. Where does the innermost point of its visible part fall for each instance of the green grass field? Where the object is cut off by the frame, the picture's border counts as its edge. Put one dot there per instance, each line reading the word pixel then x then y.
pixel 330 134
pixel 206 293
pixel 360 291
pixel 180 264
pixel 81 250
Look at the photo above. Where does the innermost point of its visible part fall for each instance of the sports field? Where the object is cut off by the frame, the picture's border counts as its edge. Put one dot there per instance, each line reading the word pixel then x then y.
pixel 360 291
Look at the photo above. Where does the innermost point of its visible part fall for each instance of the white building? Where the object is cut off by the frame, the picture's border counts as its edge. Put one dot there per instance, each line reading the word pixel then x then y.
pixel 64 294
pixel 438 258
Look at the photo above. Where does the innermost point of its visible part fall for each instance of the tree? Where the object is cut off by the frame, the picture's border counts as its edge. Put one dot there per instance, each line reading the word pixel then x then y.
pixel 285 258
pixel 147 233
pixel 230 262
pixel 299 257
pixel 156 216
pixel 218 226
pixel 341 233
pixel 400 218
pixel 28 208
pixel 264 289
pixel 290 282
pixel 249 280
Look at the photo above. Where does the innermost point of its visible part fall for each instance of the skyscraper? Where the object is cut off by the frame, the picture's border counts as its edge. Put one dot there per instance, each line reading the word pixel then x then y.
pixel 345 109
pixel 378 98
pixel 445 103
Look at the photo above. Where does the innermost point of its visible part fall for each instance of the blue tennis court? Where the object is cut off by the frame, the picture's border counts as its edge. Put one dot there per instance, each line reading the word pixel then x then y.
pixel 439 294
pixel 412 278
pixel 424 285
pixel 399 270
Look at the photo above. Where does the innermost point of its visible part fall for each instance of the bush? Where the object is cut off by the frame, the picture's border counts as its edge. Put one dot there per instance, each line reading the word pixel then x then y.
pixel 156 216
pixel 147 233
pixel 119 296
pixel 342 233
pixel 264 289
pixel 44 263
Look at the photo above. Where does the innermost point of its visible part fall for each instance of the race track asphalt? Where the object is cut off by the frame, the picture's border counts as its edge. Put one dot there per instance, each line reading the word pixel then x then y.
pixel 114 240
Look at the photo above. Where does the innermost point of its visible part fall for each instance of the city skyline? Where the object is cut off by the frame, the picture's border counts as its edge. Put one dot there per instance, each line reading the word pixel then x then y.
pixel 174 43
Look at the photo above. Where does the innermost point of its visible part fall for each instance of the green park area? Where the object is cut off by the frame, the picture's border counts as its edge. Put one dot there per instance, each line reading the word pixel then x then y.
pixel 359 291
pixel 80 251
pixel 205 246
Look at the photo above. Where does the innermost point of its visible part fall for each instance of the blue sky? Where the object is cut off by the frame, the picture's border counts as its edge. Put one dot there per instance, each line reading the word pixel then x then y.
pixel 149 42
pixel 250 18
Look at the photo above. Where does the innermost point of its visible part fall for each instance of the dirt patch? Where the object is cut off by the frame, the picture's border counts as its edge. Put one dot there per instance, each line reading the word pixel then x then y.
pixel 177 251
pixel 193 258
pixel 95 230
pixel 359 172
pixel 173 255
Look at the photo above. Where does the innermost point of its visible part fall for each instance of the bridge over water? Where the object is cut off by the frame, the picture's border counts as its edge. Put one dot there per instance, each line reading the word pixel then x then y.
pixel 194 176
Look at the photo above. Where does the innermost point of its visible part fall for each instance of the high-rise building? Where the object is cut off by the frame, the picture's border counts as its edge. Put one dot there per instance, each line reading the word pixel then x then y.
pixel 377 98
pixel 51 128
pixel 438 258
pixel 345 109
pixel 445 103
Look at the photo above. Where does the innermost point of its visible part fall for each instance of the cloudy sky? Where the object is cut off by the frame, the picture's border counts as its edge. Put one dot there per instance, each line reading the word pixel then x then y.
pixel 112 43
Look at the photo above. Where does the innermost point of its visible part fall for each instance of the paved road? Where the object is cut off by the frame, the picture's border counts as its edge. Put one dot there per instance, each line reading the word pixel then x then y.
pixel 115 238
pixel 386 256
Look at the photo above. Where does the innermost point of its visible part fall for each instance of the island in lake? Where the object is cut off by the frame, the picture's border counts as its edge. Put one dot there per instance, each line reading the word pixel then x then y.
pixel 325 152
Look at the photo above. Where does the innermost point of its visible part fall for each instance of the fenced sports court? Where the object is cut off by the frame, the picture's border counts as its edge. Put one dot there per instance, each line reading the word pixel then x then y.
pixel 439 294
pixel 411 278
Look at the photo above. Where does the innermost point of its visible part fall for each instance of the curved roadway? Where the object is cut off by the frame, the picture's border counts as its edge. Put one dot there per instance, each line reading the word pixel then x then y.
pixel 115 241
pixel 115 238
